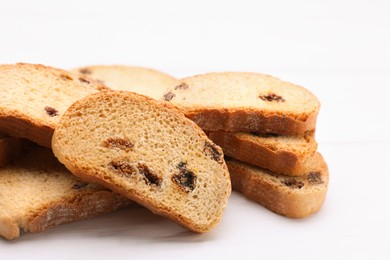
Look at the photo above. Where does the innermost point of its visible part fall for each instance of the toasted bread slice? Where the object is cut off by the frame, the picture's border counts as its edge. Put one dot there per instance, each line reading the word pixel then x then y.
pixel 33 98
pixel 245 102
pixel 294 197
pixel 38 193
pixel 288 155
pixel 145 81
pixel 147 151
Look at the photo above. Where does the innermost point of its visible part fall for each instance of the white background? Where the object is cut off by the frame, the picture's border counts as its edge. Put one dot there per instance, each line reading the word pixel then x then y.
pixel 340 50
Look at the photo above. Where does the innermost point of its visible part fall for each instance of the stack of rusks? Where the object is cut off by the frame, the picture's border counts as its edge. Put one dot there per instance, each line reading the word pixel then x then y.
pixel 80 143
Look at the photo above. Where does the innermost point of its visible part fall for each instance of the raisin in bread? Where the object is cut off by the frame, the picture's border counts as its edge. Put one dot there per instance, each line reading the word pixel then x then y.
pixel 147 151
pixel 10 148
pixel 289 155
pixel 245 102
pixel 33 98
pixel 145 81
pixel 38 193
pixel 295 197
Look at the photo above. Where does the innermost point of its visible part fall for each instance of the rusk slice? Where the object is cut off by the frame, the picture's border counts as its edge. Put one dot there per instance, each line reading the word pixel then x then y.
pixel 145 81
pixel 245 102
pixel 147 151
pixel 10 147
pixel 294 197
pixel 38 193
pixel 33 98
pixel 288 155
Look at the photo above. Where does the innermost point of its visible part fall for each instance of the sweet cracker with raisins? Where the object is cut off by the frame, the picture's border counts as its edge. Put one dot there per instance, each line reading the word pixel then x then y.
pixel 147 151
pixel 294 197
pixel 245 102
pixel 145 81
pixel 34 97
pixel 38 193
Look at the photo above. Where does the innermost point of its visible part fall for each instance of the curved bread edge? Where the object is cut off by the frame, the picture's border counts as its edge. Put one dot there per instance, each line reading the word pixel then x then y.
pixel 278 159
pixel 87 206
pixel 21 126
pixel 251 121
pixel 280 193
pixel 149 204
pixel 68 210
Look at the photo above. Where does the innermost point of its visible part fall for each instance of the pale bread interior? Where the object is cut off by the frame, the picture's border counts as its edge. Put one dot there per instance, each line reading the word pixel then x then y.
pixel 145 81
pixel 29 91
pixel 243 91
pixel 140 148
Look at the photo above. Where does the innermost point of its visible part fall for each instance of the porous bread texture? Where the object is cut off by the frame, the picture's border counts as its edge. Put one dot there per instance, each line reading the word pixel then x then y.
pixel 147 151
pixel 33 98
pixel 145 81
pixel 38 193
pixel 294 197
pixel 245 102
pixel 289 155
pixel 10 147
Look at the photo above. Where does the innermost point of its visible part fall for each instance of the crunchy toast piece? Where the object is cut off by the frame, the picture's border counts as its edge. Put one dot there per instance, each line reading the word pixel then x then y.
pixel 34 97
pixel 288 155
pixel 245 102
pixel 38 193
pixel 145 81
pixel 294 197
pixel 147 151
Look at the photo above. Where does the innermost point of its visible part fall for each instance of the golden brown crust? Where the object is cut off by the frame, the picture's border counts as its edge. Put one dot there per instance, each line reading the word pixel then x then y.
pixel 85 206
pixel 279 160
pixel 89 176
pixel 251 121
pixel 268 189
pixel 24 127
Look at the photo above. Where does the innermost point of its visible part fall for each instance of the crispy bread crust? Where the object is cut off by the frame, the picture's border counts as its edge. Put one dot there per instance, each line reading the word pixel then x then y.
pixel 286 201
pixel 85 206
pixel 90 176
pixel 251 121
pixel 283 161
pixel 25 127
